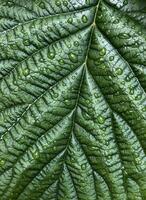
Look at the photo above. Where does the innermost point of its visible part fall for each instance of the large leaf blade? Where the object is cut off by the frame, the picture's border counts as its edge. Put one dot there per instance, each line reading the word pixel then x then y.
pixel 73 101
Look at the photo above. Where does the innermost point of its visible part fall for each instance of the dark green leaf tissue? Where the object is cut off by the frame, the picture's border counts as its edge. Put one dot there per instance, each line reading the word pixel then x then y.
pixel 72 100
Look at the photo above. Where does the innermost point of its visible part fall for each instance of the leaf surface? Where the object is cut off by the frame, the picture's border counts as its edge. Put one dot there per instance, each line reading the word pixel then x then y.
pixel 73 100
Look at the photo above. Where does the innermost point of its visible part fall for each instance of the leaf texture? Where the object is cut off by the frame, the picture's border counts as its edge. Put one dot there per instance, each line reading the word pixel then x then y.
pixel 73 100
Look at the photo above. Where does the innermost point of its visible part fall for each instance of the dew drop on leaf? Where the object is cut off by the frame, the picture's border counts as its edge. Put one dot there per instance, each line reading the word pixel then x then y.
pixel 96 95
pixel 70 20
pixel 25 72
pixel 110 77
pixel 61 61
pixel 118 71
pixel 65 3
pixel 67 102
pixel 73 77
pixel 41 60
pixel 102 52
pixel 69 46
pixel 58 3
pixel 35 155
pixel 131 90
pixel 144 109
pixel 128 79
pixel 111 58
pixel 79 36
pixel 10 3
pixel 2 162
pixel 103 67
pixel 116 21
pixel 51 55
pixel 125 2
pixel 87 101
pixel 26 42
pixel 101 60
pixel 76 43
pixel 72 160
pixel 14 46
pixel 56 95
pixel 42 5
pixel 124 36
pixel 73 57
pixel 138 97
pixel 84 19
pixel 101 119
pixel 83 166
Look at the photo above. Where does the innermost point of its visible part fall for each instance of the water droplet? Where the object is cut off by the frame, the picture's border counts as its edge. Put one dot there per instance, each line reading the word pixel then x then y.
pixel 140 32
pixel 97 62
pixel 70 20
pixel 87 101
pixel 124 35
pixel 131 90
pixel 101 60
pixel 65 3
pixel 84 19
pixel 99 15
pixel 73 57
pixel 103 67
pixel 138 97
pixel 26 72
pixel 106 153
pixel 138 161
pixel 56 95
pixel 14 46
pixel 123 83
pixel 101 119
pixel 69 46
pixel 118 71
pixel 51 55
pixel 125 2
pixel 67 102
pixel 128 79
pixel 96 95
pixel 73 77
pixel 26 42
pixel 144 109
pixel 41 60
pixel 10 3
pixel 83 166
pixel 116 21
pixel 102 52
pixel 79 36
pixel 35 155
pixel 61 61
pixel 110 77
pixel 76 43
pixel 111 58
pixel 72 160
pixel 2 162
pixel 58 3
pixel 42 5
pixel 54 147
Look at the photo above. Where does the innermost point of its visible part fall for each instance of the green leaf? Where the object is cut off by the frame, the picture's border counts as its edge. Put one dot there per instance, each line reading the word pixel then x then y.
pixel 72 100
